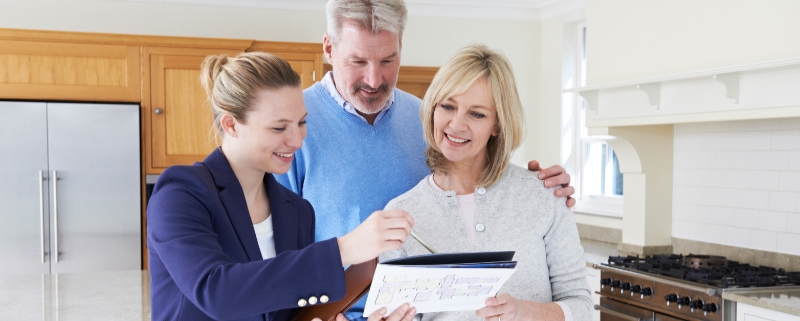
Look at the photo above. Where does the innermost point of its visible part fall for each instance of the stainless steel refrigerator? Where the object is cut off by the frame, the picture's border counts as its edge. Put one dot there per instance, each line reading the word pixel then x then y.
pixel 70 188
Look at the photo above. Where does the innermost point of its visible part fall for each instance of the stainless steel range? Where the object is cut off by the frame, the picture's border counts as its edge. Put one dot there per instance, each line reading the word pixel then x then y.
pixel 677 287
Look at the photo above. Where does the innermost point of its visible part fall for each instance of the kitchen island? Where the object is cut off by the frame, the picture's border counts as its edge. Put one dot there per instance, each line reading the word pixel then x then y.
pixel 783 299
pixel 123 295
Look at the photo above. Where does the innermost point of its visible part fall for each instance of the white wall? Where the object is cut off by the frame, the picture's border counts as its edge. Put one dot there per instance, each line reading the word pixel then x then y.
pixel 738 184
pixel 548 120
pixel 632 39
pixel 428 41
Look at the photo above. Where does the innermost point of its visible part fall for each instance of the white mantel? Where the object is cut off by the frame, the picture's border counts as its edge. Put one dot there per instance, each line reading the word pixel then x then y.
pixel 755 91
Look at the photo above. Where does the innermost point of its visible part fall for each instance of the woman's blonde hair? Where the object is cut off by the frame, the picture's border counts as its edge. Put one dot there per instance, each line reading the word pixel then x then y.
pixel 231 83
pixel 456 75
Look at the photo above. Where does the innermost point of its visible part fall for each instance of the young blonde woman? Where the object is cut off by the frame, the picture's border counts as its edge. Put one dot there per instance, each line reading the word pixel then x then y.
pixel 226 240
pixel 474 200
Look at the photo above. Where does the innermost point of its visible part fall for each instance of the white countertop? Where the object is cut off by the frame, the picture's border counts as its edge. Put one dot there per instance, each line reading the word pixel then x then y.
pixel 123 295
pixel 597 252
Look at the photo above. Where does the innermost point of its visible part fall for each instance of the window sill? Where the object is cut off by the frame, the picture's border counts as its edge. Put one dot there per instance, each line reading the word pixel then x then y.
pixel 600 208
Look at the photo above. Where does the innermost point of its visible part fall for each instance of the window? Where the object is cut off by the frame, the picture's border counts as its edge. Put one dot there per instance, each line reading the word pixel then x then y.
pixel 597 179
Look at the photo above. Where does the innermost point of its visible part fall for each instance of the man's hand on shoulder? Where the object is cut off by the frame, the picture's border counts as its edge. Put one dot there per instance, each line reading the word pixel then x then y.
pixel 553 176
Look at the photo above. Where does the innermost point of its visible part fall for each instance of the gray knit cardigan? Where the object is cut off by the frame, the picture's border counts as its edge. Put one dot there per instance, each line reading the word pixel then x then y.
pixel 517 214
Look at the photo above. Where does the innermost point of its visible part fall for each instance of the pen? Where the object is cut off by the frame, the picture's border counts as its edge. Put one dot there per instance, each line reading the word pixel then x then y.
pixel 421 241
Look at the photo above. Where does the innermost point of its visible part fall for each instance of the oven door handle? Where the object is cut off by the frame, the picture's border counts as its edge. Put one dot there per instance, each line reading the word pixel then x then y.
pixel 619 314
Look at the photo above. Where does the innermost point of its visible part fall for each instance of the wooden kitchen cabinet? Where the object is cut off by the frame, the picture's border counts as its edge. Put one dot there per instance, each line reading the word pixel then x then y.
pixel 40 65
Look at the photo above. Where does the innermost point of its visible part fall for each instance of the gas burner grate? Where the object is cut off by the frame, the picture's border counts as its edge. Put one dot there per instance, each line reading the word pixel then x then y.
pixel 626 261
pixel 745 281
pixel 730 274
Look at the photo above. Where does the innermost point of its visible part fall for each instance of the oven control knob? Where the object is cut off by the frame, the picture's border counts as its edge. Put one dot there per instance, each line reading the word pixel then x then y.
pixel 636 289
pixel 683 301
pixel 710 307
pixel 696 304
pixel 647 292
pixel 604 282
pixel 671 298
pixel 615 284
pixel 625 287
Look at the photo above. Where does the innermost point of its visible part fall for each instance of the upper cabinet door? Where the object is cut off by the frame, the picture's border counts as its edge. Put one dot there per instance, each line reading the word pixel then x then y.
pixel 178 118
pixel 307 65
pixel 42 70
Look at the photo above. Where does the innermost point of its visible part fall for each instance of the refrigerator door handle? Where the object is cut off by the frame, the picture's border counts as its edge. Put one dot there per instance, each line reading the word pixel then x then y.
pixel 41 211
pixel 55 216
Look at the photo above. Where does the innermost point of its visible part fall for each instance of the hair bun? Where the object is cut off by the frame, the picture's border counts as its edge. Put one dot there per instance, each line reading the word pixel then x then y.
pixel 210 69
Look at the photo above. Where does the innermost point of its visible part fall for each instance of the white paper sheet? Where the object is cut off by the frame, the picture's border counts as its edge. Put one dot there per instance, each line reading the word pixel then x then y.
pixel 433 289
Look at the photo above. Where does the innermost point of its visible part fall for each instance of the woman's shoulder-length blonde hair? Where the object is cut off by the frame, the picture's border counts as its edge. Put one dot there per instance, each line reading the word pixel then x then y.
pixel 455 77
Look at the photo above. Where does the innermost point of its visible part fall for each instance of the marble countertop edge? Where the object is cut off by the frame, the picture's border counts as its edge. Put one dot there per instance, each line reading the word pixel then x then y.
pixel 788 301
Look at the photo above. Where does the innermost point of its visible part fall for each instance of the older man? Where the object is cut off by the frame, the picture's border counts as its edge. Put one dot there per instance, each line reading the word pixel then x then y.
pixel 364 145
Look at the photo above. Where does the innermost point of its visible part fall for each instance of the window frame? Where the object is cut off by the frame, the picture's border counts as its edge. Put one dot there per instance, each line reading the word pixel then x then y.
pixel 602 205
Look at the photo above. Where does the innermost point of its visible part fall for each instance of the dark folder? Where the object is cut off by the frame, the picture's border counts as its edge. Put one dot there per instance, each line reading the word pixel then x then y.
pixel 454 259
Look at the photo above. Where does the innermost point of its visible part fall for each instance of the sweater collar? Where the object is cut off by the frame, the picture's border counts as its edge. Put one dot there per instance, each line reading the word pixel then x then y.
pixel 450 197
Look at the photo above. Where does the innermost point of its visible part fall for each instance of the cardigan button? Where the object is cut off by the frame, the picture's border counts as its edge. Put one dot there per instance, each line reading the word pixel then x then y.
pixel 481 190
pixel 323 299
pixel 302 302
pixel 312 300
pixel 479 227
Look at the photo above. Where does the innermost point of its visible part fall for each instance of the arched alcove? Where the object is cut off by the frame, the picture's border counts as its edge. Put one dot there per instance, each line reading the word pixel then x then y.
pixel 645 156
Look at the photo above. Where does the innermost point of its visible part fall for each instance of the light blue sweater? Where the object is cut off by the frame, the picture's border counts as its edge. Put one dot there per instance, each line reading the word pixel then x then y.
pixel 348 168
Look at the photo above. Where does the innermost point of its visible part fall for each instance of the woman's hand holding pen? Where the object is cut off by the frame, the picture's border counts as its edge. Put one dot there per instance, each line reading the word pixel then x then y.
pixel 380 232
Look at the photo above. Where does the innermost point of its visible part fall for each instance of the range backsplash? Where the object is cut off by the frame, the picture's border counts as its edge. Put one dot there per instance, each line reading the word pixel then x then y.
pixel 737 183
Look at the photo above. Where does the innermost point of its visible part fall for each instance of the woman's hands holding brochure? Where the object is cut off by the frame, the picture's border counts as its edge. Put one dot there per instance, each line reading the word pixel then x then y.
pixel 505 307
pixel 404 313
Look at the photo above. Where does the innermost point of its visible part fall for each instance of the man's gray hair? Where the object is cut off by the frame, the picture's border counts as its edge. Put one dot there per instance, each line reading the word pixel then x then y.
pixel 373 15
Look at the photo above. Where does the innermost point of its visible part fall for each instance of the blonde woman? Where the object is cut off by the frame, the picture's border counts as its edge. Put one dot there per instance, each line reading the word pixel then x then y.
pixel 474 200
pixel 226 240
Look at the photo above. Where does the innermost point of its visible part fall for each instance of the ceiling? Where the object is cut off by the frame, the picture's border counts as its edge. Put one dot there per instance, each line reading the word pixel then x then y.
pixel 489 9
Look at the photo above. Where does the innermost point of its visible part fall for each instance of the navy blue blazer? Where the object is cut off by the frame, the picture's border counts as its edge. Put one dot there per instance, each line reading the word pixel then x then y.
pixel 204 258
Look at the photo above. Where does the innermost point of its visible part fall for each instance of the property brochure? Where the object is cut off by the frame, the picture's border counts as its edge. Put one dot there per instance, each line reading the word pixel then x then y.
pixel 439 282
